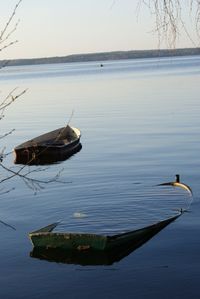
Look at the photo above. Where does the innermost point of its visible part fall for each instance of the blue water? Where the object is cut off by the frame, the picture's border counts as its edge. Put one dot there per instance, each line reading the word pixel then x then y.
pixel 140 126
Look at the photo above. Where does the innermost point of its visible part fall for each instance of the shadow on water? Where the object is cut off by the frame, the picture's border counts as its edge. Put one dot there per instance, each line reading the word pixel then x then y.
pixel 47 159
pixel 108 257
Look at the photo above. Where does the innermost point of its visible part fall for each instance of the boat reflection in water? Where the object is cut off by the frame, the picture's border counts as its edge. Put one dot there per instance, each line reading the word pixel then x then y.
pixel 69 249
pixel 48 158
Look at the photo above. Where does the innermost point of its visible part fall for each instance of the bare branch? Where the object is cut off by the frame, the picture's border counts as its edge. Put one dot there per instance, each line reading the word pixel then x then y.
pixel 4 31
pixel 10 98
pixel 2 192
pixel 32 183
pixel 9 33
pixel 169 21
pixel 6 224
pixel 4 64
pixel 8 45
pixel 6 134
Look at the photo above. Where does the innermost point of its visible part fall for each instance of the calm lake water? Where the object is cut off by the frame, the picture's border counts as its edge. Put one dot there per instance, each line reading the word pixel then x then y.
pixel 140 126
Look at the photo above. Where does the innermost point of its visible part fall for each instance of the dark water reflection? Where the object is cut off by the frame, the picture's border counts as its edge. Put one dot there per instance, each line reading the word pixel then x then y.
pixel 87 258
pixel 47 159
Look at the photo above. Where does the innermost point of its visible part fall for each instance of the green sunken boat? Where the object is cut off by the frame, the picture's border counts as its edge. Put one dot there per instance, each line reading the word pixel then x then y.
pixel 47 239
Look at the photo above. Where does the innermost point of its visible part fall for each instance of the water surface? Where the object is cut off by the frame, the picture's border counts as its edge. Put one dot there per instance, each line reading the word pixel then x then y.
pixel 140 126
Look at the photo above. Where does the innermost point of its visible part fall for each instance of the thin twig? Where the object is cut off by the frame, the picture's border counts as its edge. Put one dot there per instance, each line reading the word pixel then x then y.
pixel 6 224
pixel 4 31
pixel 6 134
pixel 169 19
pixel 32 183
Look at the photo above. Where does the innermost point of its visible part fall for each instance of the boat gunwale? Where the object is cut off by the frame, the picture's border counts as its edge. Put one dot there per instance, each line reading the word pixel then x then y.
pixel 41 144
pixel 109 237
pixel 66 234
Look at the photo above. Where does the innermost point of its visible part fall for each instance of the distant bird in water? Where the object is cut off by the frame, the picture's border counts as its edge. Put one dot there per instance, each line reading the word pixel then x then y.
pixel 177 183
pixel 101 65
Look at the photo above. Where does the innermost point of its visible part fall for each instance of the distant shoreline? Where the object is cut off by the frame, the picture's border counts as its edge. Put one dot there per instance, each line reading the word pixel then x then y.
pixel 103 56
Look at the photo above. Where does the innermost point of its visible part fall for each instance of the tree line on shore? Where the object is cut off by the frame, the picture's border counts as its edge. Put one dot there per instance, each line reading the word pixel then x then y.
pixel 103 56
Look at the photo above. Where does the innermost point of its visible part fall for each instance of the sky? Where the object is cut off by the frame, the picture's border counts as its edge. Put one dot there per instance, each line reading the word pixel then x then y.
pixel 64 27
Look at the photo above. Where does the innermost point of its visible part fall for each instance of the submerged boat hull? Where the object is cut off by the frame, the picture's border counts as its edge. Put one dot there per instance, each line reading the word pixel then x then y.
pixel 81 241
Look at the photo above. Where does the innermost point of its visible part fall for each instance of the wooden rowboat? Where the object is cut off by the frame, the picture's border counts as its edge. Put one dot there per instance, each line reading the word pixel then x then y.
pixel 45 238
pixel 54 145
pixel 84 249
